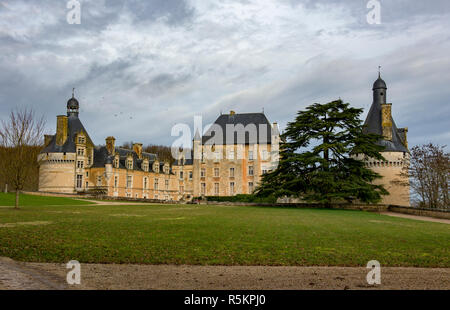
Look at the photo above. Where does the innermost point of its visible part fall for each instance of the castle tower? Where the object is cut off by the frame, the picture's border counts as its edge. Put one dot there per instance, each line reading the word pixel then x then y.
pixel 66 155
pixel 380 121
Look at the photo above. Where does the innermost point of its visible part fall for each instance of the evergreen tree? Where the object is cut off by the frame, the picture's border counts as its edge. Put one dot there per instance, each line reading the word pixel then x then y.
pixel 317 158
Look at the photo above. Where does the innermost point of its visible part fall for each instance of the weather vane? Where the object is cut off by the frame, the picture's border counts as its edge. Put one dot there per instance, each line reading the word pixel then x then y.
pixel 73 92
pixel 379 71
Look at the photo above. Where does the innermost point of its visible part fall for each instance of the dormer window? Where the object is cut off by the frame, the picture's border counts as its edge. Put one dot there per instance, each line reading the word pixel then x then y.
pixel 166 169
pixel 156 167
pixel 145 166
pixel 116 162
pixel 81 140
pixel 129 164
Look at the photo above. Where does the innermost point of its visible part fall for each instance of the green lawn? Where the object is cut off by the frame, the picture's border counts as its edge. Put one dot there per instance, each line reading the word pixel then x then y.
pixel 218 235
pixel 31 200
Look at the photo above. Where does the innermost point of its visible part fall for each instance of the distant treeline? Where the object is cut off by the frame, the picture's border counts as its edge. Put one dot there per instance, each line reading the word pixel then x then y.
pixel 32 180
pixel 163 152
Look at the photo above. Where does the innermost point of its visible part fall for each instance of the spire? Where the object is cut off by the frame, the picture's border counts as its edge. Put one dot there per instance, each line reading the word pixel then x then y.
pixel 379 72
pixel 73 92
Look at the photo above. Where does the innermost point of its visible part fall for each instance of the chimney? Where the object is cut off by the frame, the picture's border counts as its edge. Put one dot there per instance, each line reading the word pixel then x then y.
pixel 137 148
pixel 404 135
pixel 111 145
pixel 386 120
pixel 61 129
pixel 47 139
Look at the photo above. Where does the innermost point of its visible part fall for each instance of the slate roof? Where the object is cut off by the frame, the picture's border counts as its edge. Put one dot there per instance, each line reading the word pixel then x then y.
pixel 101 158
pixel 74 127
pixel 187 161
pixel 258 119
pixel 373 125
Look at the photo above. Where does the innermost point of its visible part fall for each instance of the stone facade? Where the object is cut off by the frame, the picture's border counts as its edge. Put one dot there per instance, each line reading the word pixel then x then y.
pixel 70 163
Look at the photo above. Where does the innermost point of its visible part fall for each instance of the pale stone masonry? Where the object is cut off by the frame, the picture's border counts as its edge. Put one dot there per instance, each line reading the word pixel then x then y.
pixel 229 159
pixel 71 163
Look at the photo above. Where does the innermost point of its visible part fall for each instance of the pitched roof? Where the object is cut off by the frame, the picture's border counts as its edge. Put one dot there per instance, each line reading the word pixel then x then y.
pixel 373 125
pixel 255 122
pixel 74 127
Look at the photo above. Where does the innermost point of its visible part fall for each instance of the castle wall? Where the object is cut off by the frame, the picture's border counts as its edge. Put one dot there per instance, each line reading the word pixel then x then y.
pixel 115 181
pixel 396 184
pixel 57 172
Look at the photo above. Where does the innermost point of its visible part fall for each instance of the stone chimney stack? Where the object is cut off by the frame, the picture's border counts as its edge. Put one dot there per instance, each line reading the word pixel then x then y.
pixel 386 120
pixel 47 139
pixel 404 135
pixel 137 148
pixel 62 129
pixel 111 145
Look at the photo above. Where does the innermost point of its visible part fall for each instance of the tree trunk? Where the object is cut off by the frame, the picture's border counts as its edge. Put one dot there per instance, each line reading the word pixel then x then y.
pixel 17 199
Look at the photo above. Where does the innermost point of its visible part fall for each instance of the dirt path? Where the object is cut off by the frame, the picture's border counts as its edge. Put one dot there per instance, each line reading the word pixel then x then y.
pixel 417 217
pixel 15 275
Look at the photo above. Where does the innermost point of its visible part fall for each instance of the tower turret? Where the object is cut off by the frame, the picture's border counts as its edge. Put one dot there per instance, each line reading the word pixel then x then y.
pixel 72 105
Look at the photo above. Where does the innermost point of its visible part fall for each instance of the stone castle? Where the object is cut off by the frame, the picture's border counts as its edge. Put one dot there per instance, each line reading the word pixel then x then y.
pixel 222 162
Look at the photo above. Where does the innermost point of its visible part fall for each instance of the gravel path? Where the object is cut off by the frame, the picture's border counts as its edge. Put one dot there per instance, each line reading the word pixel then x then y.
pixel 417 217
pixel 14 275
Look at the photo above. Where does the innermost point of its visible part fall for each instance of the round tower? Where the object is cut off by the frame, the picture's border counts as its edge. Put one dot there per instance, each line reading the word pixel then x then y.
pixel 394 140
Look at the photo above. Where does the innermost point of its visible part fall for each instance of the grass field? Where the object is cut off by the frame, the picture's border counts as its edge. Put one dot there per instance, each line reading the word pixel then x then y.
pixel 216 235
pixel 31 200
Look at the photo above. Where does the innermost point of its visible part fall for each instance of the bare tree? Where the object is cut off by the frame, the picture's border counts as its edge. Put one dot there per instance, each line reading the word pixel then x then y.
pixel 429 173
pixel 20 141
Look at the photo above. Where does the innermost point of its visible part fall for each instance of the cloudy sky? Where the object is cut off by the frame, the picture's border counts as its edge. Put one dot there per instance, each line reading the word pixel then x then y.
pixel 140 67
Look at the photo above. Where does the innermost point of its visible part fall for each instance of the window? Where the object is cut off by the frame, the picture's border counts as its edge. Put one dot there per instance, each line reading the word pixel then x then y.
pixel 156 197
pixel 89 160
pixel 116 181
pixel 203 189
pixel 129 181
pixel 80 151
pixel 231 172
pixel 203 172
pixel 79 181
pixel 156 168
pixel 145 167
pixel 99 180
pixel 167 184
pixel 216 188
pixel 250 187
pixel 216 172
pixel 87 174
pixel 129 164
pixel 250 155
pixel 81 140
pixel 156 184
pixel 87 184
pixel 231 188
pixel 190 175
pixel 80 164
pixel 166 170
pixel 250 170
pixel 265 171
pixel 145 183
pixel 265 155
pixel 116 163
pixel 181 189
pixel 181 175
